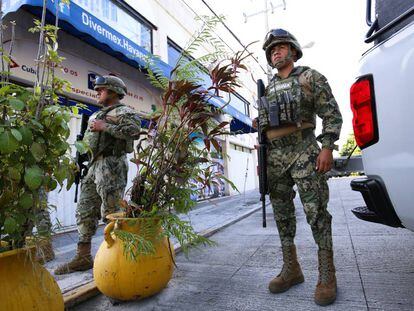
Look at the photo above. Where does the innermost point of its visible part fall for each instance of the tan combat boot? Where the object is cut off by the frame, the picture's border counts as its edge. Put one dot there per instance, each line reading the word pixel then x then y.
pixel 325 292
pixel 291 273
pixel 81 262
pixel 44 252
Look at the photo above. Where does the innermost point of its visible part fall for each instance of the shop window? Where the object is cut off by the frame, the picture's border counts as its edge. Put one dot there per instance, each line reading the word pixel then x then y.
pixel 241 104
pixel 240 148
pixel 174 52
pixel 121 17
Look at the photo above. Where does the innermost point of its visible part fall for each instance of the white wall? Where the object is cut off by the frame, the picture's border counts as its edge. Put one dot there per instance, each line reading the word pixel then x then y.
pixel 242 170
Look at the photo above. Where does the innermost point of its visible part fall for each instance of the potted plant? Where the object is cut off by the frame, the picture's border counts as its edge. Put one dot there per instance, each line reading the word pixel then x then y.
pixel 34 159
pixel 173 161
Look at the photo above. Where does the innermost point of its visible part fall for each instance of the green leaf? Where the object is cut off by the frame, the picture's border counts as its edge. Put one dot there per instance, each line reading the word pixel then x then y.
pixel 36 123
pixel 75 110
pixel 60 174
pixel 8 143
pixel 25 201
pixel 10 225
pixel 81 146
pixel 38 151
pixel 27 136
pixel 16 104
pixel 6 197
pixel 16 134
pixel 52 185
pixel 33 177
pixel 4 90
pixel 14 173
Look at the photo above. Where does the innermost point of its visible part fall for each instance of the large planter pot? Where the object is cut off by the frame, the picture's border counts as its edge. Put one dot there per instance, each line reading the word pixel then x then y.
pixel 25 284
pixel 120 277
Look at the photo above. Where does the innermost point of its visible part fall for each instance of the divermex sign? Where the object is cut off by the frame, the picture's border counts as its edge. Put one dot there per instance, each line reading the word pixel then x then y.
pixel 111 35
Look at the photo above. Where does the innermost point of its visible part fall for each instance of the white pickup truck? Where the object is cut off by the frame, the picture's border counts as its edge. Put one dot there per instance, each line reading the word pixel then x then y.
pixel 382 102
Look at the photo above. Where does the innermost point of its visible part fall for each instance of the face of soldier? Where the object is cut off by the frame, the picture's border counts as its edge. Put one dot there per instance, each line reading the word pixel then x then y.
pixel 282 55
pixel 106 97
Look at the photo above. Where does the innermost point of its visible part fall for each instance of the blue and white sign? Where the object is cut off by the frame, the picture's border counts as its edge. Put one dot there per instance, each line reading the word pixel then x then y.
pixel 111 41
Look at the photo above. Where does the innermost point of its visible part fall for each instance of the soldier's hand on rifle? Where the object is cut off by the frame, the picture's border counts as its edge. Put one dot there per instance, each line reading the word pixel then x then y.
pixel 97 125
pixel 324 161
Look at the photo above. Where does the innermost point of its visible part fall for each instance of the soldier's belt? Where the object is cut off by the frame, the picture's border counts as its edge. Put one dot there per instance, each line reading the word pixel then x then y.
pixel 291 139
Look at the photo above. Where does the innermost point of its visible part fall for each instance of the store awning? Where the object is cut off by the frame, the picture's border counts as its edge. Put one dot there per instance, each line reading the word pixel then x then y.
pixel 85 26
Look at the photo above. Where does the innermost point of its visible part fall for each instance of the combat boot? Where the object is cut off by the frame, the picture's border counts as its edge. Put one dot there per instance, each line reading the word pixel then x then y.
pixel 291 273
pixel 81 262
pixel 325 292
pixel 44 252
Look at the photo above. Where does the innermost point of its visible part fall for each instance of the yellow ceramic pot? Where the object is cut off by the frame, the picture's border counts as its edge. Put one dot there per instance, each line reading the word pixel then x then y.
pixel 120 277
pixel 26 285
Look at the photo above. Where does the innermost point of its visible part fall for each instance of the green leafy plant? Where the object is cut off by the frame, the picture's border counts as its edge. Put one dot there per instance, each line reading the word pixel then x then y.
pixel 173 156
pixel 34 152
pixel 350 146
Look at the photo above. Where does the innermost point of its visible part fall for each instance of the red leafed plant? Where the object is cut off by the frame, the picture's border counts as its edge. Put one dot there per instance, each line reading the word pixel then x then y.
pixel 173 155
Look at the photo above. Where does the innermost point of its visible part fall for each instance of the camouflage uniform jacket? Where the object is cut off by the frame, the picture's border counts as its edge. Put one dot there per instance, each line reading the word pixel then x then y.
pixel 315 98
pixel 123 126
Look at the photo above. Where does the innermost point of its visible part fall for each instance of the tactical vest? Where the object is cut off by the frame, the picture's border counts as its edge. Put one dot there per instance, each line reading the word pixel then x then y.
pixel 107 145
pixel 284 102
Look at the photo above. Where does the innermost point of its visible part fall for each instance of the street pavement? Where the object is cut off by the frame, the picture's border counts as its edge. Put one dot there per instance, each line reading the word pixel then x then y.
pixel 207 217
pixel 375 267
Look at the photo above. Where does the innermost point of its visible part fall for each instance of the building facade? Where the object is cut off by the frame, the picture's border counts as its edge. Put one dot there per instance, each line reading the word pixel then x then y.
pixel 100 37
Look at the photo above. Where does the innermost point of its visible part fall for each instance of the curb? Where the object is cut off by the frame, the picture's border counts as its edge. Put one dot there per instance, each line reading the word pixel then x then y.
pixel 86 291
pixel 200 204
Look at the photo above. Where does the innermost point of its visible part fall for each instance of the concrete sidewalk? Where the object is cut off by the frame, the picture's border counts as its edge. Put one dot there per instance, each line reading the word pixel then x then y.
pixel 207 217
pixel 375 267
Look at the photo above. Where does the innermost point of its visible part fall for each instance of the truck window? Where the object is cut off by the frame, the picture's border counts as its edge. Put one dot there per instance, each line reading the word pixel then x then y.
pixel 388 10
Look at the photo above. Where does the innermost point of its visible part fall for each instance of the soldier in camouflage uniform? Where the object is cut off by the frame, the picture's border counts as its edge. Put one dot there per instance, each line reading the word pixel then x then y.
pixel 295 95
pixel 110 135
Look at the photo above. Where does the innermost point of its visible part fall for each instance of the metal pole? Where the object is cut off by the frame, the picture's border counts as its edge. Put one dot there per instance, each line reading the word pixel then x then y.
pixel 269 69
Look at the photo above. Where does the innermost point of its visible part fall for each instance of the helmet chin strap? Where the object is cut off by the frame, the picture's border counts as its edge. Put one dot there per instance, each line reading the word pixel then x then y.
pixel 281 63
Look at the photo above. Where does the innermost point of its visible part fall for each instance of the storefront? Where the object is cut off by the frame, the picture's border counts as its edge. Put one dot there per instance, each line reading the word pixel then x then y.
pixel 92 47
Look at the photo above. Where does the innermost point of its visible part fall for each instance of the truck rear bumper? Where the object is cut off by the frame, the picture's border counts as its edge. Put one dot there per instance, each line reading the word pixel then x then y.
pixel 379 208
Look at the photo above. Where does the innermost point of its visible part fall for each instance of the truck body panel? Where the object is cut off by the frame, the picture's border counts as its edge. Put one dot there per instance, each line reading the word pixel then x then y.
pixel 391 64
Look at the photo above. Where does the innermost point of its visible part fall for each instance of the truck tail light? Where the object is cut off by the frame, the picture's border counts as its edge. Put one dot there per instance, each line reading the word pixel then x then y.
pixel 363 108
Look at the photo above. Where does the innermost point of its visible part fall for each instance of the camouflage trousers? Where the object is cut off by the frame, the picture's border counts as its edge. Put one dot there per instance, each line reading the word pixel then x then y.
pixel 41 218
pixel 292 160
pixel 43 223
pixel 101 190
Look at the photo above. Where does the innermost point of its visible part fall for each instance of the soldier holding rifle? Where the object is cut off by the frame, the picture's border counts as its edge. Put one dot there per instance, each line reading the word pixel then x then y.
pixel 287 116
pixel 110 135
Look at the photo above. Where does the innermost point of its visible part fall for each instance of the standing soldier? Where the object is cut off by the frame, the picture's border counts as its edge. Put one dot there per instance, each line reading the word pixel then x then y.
pixel 295 95
pixel 110 135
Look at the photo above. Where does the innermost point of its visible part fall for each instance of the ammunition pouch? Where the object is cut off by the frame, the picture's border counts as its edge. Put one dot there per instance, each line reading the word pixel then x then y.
pixel 284 100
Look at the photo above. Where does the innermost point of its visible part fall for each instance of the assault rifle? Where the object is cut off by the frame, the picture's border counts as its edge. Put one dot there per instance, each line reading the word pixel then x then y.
pixel 81 158
pixel 263 187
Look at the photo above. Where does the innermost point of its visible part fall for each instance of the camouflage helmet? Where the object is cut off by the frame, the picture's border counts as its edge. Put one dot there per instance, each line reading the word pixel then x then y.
pixel 112 83
pixel 276 36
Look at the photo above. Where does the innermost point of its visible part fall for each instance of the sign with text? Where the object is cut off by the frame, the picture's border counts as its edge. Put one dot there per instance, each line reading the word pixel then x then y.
pixel 81 74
